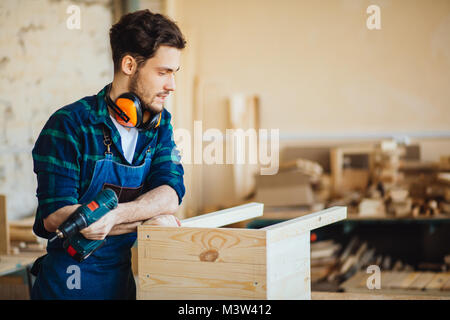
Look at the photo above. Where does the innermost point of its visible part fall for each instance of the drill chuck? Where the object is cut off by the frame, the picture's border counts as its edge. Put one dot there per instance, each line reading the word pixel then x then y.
pixel 72 225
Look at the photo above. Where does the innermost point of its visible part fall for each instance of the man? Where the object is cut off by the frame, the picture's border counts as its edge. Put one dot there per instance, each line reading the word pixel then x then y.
pixel 94 144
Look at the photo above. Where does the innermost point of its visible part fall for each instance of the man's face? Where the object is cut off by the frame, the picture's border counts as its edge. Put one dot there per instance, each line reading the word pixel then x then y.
pixel 155 79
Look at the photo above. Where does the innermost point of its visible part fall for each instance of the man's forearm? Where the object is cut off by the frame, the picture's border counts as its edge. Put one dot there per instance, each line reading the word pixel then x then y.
pixel 54 220
pixel 161 200
pixel 124 228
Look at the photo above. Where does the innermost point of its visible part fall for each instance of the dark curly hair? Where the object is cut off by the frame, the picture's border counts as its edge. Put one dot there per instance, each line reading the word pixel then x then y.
pixel 140 34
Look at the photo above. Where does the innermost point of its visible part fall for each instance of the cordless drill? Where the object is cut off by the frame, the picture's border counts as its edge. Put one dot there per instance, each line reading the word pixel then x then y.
pixel 77 246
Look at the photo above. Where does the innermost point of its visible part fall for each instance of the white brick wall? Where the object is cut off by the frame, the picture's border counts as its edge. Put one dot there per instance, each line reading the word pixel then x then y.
pixel 44 66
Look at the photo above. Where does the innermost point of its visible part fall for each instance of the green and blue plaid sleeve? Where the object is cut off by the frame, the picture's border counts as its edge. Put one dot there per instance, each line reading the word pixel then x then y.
pixel 166 167
pixel 56 157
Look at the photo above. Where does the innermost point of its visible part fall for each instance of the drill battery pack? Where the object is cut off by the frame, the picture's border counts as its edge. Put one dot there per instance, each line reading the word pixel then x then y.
pixel 80 248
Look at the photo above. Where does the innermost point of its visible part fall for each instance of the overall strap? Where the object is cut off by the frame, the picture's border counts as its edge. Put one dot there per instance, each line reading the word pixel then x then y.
pixel 107 142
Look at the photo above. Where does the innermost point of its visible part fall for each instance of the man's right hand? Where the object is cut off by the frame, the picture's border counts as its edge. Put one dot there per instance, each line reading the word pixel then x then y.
pixel 163 220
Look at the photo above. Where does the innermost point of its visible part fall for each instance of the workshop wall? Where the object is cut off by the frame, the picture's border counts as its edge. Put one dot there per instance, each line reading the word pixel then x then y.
pixel 319 69
pixel 44 65
pixel 320 72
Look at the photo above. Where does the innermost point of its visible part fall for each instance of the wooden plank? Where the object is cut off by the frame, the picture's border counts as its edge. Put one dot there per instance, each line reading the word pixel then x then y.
pixel 4 228
pixel 22 234
pixel 387 277
pixel 363 280
pixel 201 263
pixel 396 279
pixel 324 244
pixel 413 276
pixel 163 279
pixel 192 244
pixel 134 261
pixel 391 283
pixel 403 282
pixel 325 252
pixel 336 159
pixel 225 217
pixel 288 256
pixel 24 223
pixel 288 268
pixel 355 281
pixel 446 286
pixel 319 273
pixel 295 286
pixel 421 282
pixel 438 281
pixel 244 114
pixel 371 296
pixel 305 223
pixel 328 261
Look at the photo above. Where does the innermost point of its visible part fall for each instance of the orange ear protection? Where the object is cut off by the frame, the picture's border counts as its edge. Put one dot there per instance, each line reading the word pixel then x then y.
pixel 130 113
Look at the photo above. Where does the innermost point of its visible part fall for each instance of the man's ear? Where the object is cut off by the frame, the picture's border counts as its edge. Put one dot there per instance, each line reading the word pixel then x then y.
pixel 129 65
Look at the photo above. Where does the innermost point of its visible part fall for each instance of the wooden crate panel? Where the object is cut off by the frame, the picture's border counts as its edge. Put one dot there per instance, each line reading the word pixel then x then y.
pixel 183 278
pixel 288 268
pixel 204 244
pixel 202 263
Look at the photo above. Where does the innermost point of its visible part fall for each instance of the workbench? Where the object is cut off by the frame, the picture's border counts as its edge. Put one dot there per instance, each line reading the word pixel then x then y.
pixel 12 264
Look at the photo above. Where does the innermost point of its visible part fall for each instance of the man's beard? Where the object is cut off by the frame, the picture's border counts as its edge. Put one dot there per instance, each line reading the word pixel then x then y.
pixel 134 88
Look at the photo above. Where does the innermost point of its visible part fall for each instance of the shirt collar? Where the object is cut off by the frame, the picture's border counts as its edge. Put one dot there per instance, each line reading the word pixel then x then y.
pixel 99 111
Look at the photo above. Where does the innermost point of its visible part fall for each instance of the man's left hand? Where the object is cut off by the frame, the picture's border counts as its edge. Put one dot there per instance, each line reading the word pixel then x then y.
pixel 163 220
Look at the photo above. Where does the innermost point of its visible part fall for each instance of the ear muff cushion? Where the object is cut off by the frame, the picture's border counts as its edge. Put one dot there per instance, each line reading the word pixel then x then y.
pixel 159 120
pixel 129 107
pixel 151 123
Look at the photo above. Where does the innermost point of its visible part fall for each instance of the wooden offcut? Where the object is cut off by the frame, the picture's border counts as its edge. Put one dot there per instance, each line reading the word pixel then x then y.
pixel 193 262
pixel 22 230
pixel 4 229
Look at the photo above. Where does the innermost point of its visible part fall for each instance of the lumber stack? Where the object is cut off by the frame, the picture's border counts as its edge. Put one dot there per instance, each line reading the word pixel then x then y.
pixel 444 180
pixel 356 256
pixel 387 163
pixel 353 261
pixel 324 257
pixel 428 184
pixel 22 237
pixel 293 185
pixel 372 207
pixel 399 202
pixel 398 188
pixel 350 168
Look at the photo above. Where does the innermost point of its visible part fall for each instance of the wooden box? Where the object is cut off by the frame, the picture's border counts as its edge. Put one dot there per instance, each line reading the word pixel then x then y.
pixel 201 261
